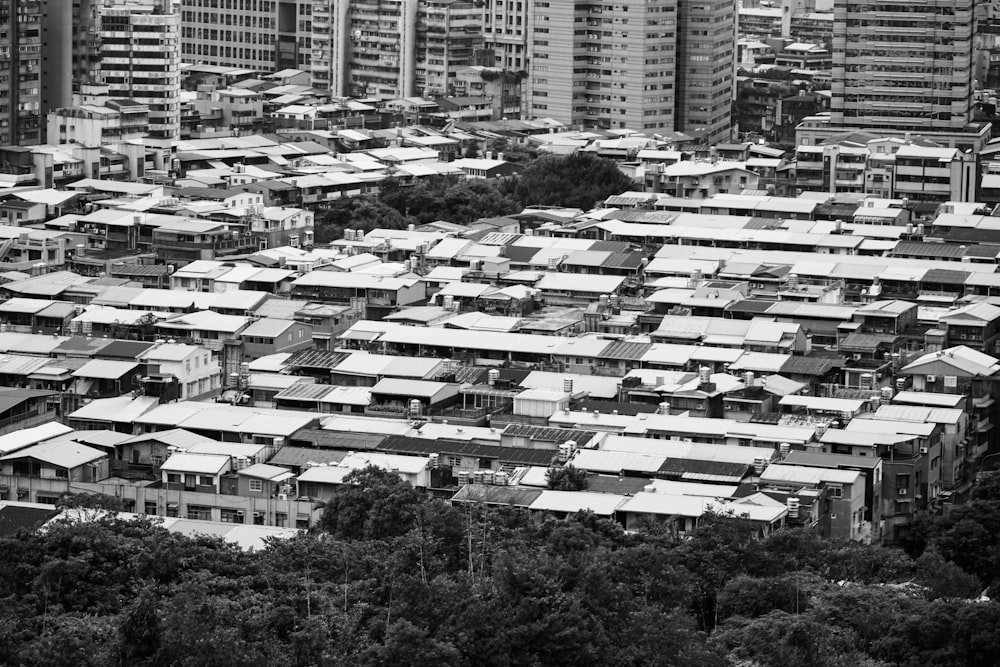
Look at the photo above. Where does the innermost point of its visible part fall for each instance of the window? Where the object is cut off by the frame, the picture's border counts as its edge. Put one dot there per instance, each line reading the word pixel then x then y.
pixel 199 512
pixel 206 480
pixel 256 485
pixel 836 491
pixel 902 483
pixel 228 515
pixel 173 478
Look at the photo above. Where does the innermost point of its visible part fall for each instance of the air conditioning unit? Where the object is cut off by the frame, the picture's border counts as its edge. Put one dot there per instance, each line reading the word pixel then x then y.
pixel 923 450
pixel 932 378
pixel 902 492
pixel 282 496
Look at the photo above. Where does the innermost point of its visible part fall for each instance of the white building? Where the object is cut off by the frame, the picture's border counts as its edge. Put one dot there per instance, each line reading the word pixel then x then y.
pixel 196 370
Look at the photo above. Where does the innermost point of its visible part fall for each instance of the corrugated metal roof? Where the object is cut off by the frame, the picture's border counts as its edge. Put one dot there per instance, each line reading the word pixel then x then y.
pixel 66 454
pixel 16 364
pixel 922 249
pixel 809 366
pixel 625 350
pixel 299 456
pixel 623 260
pixel 497 495
pixel 680 467
pixel 209 464
pixel 515 455
pixel 312 358
pixel 81 345
pixel 176 437
pixel 125 349
pixel 405 387
pixel 104 369
pixel 603 504
pixel 324 439
pixel 945 276
pixel 304 392
pixel 549 434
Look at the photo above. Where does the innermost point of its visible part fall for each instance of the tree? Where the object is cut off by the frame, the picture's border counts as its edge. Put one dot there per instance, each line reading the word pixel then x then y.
pixel 364 213
pixel 372 504
pixel 574 181
pixel 987 487
pixel 407 644
pixel 447 198
pixel 566 478
pixel 752 597
pixel 94 501
pixel 780 639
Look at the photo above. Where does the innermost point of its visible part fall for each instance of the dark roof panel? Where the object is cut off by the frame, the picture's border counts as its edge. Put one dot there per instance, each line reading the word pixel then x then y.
pixel 15 518
pixel 311 358
pixel 517 455
pixel 549 434
pixel 816 366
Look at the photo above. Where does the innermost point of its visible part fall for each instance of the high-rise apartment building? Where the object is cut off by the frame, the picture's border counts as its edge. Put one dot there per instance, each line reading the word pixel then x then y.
pixel 706 67
pixel 657 64
pixel 20 71
pixel 448 34
pixel 392 48
pixel 72 53
pixel 506 34
pixel 903 65
pixel 140 60
pixel 265 35
pixel 214 34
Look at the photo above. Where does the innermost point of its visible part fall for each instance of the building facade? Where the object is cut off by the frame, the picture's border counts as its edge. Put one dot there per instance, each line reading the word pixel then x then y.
pixel 903 66
pixel 140 60
pixel 391 49
pixel 652 65
pixel 20 72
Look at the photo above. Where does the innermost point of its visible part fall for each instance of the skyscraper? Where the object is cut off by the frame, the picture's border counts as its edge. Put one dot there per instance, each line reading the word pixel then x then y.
pixel 392 48
pixel 706 67
pixel 505 29
pixel 661 64
pixel 140 60
pixel 903 65
pixel 20 71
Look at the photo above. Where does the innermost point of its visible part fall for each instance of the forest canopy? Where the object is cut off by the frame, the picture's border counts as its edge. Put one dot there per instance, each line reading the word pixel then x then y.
pixel 577 181
pixel 392 576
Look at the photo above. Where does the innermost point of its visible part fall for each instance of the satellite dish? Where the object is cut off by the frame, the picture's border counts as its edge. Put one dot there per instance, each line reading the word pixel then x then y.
pixel 357 34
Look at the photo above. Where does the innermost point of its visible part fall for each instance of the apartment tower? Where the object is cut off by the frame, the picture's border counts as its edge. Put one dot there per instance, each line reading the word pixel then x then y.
pixel 140 60
pixel 20 72
pixel 263 35
pixel 652 65
pixel 903 65
pixel 393 48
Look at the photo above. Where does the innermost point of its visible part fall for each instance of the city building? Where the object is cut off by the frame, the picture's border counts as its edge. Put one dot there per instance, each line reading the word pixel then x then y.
pixel 506 34
pixel 21 68
pixel 663 66
pixel 140 60
pixel 393 49
pixel 95 125
pixel 900 67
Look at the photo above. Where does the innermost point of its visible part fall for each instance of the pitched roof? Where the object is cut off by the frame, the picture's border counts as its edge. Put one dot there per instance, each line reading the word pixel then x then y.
pixel 62 453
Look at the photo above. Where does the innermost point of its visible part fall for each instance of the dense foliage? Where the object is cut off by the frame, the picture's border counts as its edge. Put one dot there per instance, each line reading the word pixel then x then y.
pixel 393 577
pixel 577 181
